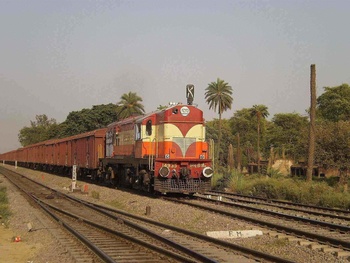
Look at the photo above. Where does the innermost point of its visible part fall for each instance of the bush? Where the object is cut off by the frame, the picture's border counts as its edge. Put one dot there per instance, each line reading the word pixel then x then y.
pixel 217 181
pixel 95 195
pixel 3 196
pixel 4 208
pixel 317 192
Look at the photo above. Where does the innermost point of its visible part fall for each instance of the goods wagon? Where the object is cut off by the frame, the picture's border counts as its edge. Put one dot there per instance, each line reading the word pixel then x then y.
pixel 59 155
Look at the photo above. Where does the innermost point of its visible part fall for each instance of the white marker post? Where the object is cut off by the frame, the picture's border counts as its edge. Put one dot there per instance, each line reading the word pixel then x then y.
pixel 15 164
pixel 74 177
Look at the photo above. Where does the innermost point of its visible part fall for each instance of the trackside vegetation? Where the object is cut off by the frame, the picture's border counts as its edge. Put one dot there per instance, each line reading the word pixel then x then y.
pixel 4 207
pixel 321 192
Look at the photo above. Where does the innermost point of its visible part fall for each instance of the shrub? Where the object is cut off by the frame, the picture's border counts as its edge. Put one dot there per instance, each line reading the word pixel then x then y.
pixel 4 208
pixel 217 180
pixel 317 192
pixel 95 195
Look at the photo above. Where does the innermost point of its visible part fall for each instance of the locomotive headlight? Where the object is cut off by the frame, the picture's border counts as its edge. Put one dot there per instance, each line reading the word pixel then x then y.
pixel 208 172
pixel 164 171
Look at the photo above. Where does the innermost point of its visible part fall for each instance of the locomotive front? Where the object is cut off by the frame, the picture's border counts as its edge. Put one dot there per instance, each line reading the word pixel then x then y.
pixel 183 163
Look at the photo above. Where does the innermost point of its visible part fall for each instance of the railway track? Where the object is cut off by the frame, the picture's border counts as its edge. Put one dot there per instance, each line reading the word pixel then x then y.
pixel 101 229
pixel 332 213
pixel 328 231
pixel 335 219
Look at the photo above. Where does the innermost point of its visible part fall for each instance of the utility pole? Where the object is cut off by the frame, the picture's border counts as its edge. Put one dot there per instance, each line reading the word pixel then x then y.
pixel 312 128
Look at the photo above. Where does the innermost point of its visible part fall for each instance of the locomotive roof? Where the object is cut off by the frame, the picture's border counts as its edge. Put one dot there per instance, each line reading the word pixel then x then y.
pixel 138 118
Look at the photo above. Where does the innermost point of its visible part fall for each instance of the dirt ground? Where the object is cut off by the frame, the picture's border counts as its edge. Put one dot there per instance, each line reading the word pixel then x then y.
pixel 14 252
pixel 36 246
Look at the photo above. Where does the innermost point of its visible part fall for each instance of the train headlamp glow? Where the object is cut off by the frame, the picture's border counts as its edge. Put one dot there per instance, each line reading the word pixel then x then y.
pixel 208 172
pixel 164 171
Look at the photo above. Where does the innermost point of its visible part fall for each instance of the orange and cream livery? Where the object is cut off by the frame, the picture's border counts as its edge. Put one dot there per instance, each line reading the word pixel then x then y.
pixel 164 151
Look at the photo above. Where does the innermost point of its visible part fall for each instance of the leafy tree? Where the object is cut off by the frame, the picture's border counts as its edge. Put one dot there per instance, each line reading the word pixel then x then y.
pixel 243 123
pixel 334 103
pixel 161 107
pixel 213 133
pixel 39 130
pixel 98 116
pixel 218 96
pixel 129 104
pixel 332 147
pixel 288 132
pixel 260 111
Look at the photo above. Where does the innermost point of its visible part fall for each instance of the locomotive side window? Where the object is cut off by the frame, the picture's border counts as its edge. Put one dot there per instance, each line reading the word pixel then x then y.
pixel 117 140
pixel 138 131
pixel 149 128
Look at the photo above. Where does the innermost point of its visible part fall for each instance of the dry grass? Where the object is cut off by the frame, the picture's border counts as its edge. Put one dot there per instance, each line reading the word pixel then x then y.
pixel 5 212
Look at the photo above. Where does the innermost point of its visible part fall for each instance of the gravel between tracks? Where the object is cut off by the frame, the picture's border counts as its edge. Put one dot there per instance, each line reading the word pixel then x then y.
pixel 44 248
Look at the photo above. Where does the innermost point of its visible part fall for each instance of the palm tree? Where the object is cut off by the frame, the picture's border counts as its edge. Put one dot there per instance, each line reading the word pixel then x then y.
pixel 260 111
pixel 218 96
pixel 129 105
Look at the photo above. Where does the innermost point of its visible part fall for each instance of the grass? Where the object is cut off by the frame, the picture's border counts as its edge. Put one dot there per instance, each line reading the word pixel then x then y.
pixel 275 186
pixel 117 204
pixel 95 195
pixel 4 207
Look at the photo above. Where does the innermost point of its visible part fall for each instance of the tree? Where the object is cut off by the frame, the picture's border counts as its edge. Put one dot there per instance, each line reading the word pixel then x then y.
pixel 239 153
pixel 162 107
pixel 213 133
pixel 218 96
pixel 39 130
pixel 85 120
pixel 243 123
pixel 230 159
pixel 288 131
pixel 334 103
pixel 260 111
pixel 332 147
pixel 243 126
pixel 129 105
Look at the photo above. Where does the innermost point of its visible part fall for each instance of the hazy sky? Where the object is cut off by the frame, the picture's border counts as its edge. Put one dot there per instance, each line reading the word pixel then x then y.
pixel 62 56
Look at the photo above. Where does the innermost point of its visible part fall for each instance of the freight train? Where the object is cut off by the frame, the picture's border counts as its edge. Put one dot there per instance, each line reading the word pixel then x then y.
pixel 164 151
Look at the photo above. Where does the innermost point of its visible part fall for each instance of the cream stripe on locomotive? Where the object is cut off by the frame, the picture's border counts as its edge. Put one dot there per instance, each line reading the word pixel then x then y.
pixel 174 134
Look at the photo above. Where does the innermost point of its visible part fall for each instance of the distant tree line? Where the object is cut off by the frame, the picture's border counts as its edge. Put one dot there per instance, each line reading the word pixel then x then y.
pixel 77 122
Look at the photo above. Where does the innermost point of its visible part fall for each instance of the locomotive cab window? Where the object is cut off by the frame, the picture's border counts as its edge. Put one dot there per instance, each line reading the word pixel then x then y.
pixel 149 128
pixel 116 140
